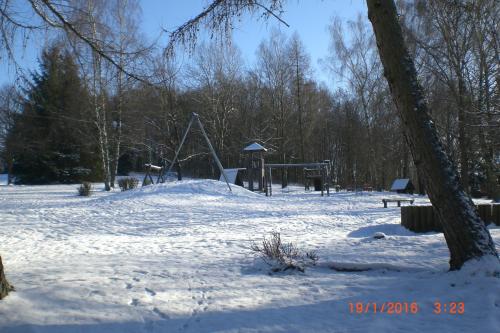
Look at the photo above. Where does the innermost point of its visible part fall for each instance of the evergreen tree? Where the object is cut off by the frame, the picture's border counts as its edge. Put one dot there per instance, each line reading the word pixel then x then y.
pixel 49 139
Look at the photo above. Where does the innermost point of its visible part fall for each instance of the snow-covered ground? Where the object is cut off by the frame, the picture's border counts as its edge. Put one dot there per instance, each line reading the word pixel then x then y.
pixel 176 258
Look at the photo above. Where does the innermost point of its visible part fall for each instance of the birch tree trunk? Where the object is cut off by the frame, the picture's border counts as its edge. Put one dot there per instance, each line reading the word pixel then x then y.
pixel 99 104
pixel 466 235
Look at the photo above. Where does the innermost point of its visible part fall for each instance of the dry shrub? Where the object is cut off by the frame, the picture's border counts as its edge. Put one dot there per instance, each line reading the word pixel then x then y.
pixel 127 183
pixel 283 256
pixel 85 189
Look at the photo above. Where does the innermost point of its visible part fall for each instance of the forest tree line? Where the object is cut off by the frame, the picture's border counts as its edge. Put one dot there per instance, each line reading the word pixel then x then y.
pixel 79 118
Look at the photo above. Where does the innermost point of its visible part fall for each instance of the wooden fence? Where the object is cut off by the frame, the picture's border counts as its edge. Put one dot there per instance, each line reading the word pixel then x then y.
pixel 424 218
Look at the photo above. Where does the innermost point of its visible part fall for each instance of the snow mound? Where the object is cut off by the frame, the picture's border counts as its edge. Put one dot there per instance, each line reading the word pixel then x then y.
pixel 204 187
pixel 487 266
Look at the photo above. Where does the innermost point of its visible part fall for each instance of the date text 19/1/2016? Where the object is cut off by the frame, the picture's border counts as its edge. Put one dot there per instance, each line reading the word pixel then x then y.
pixel 453 308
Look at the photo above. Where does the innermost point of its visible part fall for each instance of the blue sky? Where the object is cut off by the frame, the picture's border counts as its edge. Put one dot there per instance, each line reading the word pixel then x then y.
pixel 309 18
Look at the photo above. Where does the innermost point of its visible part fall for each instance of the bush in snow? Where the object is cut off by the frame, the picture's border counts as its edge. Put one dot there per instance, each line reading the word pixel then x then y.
pixel 128 183
pixel 283 256
pixel 85 189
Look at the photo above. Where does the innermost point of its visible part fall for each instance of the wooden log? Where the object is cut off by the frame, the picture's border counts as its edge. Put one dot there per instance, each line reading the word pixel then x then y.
pixel 425 218
pixel 417 221
pixel 495 214
pixel 420 218
pixel 405 217
pixel 484 211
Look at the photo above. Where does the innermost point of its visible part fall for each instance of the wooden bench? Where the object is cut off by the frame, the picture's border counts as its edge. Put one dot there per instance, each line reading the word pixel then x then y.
pixel 398 200
pixel 150 168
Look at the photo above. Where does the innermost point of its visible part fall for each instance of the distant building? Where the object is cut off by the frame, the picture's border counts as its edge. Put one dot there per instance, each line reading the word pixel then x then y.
pixel 403 185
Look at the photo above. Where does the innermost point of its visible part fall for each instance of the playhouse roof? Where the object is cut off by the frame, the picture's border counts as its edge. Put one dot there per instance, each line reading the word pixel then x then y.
pixel 254 147
pixel 400 184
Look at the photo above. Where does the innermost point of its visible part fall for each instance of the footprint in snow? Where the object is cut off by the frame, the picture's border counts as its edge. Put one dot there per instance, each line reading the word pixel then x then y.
pixel 97 292
pixel 162 315
pixel 140 272
pixel 150 292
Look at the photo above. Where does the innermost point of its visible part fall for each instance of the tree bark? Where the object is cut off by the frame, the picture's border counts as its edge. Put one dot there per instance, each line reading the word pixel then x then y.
pixel 5 287
pixel 466 235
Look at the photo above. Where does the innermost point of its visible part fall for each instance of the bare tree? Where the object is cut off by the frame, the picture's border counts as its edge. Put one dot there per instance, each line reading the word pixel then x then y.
pixel 216 74
pixel 355 61
pixel 276 71
pixel 124 31
pixel 300 62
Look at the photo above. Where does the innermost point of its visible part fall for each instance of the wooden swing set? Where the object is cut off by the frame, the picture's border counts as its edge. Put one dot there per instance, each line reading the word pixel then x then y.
pixel 161 170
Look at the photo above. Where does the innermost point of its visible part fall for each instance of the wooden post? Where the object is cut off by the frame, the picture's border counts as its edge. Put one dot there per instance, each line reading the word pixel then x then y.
pixel 160 178
pixel 485 212
pixel 261 172
pixel 495 214
pixel 322 173
pixel 327 180
pixel 250 171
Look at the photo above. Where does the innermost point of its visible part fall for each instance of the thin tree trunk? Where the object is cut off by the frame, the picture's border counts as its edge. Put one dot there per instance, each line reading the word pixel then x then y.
pixel 299 109
pixel 466 235
pixel 117 131
pixel 462 135
pixel 99 107
pixel 100 114
pixel 10 166
pixel 5 287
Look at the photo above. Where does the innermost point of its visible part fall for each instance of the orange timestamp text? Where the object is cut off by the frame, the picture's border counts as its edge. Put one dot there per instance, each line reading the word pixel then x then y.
pixel 397 308
pixel 384 307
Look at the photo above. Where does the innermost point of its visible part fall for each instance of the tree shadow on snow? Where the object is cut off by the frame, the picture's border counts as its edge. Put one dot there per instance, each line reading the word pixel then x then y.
pixel 389 229
pixel 321 316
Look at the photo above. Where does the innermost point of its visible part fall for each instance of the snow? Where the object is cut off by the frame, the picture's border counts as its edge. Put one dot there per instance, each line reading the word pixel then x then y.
pixel 176 257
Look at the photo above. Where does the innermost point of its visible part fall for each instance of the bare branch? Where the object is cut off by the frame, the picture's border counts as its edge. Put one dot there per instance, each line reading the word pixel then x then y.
pixel 69 26
pixel 219 17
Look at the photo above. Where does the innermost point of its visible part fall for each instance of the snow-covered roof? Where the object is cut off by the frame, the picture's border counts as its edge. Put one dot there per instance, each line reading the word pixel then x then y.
pixel 231 175
pixel 254 147
pixel 400 184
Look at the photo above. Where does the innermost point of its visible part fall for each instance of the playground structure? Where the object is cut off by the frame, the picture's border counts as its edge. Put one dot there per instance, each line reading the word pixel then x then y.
pixel 255 166
pixel 318 173
pixel 260 172
pixel 194 119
